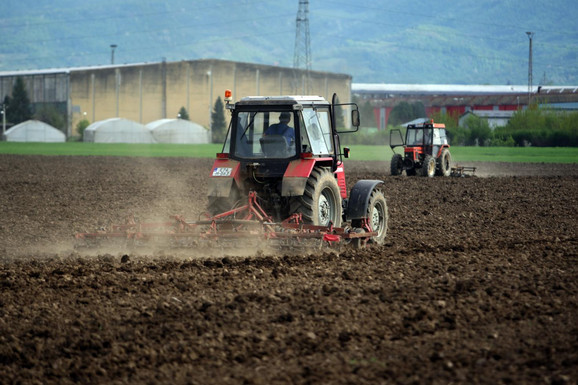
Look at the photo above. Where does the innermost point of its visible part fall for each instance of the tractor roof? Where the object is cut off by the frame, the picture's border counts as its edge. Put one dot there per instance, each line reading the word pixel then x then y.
pixel 289 100
pixel 429 124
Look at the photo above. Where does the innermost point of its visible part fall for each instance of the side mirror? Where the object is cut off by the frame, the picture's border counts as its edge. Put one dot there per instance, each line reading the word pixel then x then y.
pixel 355 118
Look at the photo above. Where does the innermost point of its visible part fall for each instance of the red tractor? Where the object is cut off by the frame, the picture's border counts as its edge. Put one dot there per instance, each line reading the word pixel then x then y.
pixel 426 150
pixel 296 169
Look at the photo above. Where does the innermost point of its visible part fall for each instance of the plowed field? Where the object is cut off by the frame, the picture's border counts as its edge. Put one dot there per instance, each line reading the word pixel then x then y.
pixel 476 283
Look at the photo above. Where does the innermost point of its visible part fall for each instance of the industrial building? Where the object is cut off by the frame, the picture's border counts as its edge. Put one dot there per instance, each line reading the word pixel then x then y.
pixel 147 92
pixel 457 100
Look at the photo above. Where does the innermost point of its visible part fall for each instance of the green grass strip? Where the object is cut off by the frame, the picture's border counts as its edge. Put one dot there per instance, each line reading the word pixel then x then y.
pixel 358 152
pixel 112 149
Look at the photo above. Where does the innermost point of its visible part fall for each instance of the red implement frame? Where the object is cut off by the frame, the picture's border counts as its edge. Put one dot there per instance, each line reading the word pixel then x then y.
pixel 249 221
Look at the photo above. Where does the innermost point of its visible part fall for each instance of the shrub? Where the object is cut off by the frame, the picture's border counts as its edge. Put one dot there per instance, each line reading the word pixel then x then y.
pixel 81 126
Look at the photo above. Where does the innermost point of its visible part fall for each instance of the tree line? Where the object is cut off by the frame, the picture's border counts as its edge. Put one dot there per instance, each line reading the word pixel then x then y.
pixel 535 126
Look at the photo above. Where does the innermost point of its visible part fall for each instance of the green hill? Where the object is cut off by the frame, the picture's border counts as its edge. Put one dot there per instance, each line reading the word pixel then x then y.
pixel 395 41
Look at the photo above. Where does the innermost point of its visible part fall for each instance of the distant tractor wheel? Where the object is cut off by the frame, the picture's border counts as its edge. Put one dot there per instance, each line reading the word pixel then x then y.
pixel 429 166
pixel 396 165
pixel 411 171
pixel 444 163
pixel 321 201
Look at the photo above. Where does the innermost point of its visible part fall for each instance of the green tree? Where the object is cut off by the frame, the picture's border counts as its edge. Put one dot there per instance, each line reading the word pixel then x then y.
pixel 18 107
pixel 183 114
pixel 540 127
pixel 50 115
pixel 404 112
pixel 479 131
pixel 81 126
pixel 418 110
pixel 218 123
pixel 456 134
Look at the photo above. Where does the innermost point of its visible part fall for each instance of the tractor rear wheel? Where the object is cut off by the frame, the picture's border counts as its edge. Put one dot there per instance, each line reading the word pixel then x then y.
pixel 321 201
pixel 444 163
pixel 377 215
pixel 428 167
pixel 396 165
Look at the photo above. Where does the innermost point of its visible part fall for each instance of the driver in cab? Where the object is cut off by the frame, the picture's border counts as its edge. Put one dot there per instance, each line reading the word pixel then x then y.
pixel 281 130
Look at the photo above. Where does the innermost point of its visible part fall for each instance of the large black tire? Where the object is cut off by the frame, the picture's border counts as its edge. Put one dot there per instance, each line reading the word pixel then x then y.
pixel 378 218
pixel 444 163
pixel 396 165
pixel 428 167
pixel 321 201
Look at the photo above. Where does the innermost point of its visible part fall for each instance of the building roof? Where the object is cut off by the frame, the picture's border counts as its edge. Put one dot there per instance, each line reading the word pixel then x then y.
pixel 491 114
pixel 68 70
pixel 456 89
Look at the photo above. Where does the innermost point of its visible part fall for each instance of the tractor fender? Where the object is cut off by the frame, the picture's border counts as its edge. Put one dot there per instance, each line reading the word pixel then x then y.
pixel 359 198
pixel 298 172
pixel 224 173
pixel 295 177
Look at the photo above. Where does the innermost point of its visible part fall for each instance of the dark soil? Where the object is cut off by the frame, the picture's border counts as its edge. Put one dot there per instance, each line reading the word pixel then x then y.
pixel 477 283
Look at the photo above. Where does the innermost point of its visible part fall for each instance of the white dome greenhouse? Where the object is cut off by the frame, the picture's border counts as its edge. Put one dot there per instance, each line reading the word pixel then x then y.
pixel 117 130
pixel 34 131
pixel 178 131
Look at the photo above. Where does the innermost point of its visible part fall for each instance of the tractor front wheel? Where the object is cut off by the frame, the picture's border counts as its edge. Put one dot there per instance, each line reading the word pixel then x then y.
pixel 396 165
pixel 444 163
pixel 321 201
pixel 377 216
pixel 428 167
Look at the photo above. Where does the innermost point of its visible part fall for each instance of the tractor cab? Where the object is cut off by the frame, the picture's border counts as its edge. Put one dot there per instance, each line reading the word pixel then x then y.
pixel 274 145
pixel 279 129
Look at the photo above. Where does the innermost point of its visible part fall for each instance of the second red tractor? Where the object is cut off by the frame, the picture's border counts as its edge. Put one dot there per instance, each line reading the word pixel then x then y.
pixel 426 150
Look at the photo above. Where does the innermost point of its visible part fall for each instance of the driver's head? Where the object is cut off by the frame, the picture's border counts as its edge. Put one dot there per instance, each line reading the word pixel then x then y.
pixel 285 117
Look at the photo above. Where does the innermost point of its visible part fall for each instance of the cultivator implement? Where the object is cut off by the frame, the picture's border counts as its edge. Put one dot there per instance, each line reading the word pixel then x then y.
pixel 463 171
pixel 244 226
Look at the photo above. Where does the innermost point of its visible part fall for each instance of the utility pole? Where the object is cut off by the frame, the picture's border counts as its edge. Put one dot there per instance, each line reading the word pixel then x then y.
pixel 302 53
pixel 112 48
pixel 3 121
pixel 530 36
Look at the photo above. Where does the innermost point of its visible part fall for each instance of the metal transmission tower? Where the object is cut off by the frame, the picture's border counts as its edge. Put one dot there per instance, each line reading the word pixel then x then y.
pixel 302 54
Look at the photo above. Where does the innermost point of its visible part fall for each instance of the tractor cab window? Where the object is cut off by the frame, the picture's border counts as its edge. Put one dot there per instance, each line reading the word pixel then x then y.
pixel 439 137
pixel 317 135
pixel 264 134
pixel 418 137
pixel 414 137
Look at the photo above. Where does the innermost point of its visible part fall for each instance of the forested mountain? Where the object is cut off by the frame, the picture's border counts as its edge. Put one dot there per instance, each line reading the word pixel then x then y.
pixel 395 41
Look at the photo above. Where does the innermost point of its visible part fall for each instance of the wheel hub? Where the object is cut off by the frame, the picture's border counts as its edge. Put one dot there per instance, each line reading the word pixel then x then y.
pixel 376 219
pixel 324 210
